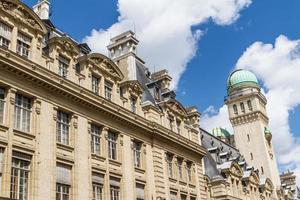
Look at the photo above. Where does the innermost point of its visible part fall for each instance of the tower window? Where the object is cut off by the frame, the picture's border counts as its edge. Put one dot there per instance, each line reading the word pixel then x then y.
pixel 248 137
pixel 262 170
pixel 251 155
pixel 249 105
pixel 235 110
pixel 242 107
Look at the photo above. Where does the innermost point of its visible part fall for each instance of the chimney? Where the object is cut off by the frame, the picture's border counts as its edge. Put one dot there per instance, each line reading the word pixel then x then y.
pixel 42 9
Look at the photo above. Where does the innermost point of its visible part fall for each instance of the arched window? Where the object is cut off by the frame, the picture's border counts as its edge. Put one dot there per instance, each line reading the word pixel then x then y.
pixel 242 107
pixel 235 110
pixel 249 105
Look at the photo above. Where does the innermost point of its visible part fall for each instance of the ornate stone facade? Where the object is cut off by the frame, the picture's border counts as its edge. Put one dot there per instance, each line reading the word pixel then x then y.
pixel 81 125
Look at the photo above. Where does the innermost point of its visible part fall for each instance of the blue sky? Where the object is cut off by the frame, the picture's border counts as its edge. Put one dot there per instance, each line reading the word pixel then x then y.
pixel 217 44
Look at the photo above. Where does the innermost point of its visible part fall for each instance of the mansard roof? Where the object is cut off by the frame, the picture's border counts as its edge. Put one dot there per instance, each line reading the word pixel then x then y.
pixel 18 10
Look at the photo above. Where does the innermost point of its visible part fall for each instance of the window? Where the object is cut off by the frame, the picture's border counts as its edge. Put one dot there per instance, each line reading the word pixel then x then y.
pixel 249 105
pixel 108 90
pixel 262 170
pixel 157 93
pixel 193 198
pixel 189 171
pixel 235 110
pixel 169 159
pixel 95 84
pixel 183 197
pixel 23 45
pixel 178 126
pixel 179 165
pixel 19 188
pixel 171 122
pixel 133 104
pixel 112 145
pixel 77 68
pixel 63 181
pixel 173 195
pixel 2 103
pixel 63 65
pixel 5 35
pixel 96 138
pixel 98 180
pixel 62 192
pixel 140 191
pixel 137 153
pixel 251 155
pixel 242 107
pixel 248 137
pixel 114 188
pixel 22 113
pixel 63 125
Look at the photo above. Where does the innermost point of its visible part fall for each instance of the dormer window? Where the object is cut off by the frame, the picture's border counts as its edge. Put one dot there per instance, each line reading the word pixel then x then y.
pixel 133 104
pixel 23 45
pixel 95 84
pixel 63 65
pixel 157 93
pixel 5 35
pixel 108 87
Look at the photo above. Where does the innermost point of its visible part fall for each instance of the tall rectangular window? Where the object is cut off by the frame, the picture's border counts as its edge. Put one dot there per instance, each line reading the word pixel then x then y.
pixel 96 138
pixel 108 90
pixel 114 184
pixel 5 35
pixel 133 104
pixel 179 165
pixel 62 129
pixel 63 65
pixel 22 113
pixel 97 182
pixel 140 191
pixel 169 159
pixel 137 146
pixel 171 123
pixel 23 45
pixel 178 126
pixel 63 182
pixel 112 145
pixel 2 103
pixel 189 171
pixel 19 187
pixel 95 84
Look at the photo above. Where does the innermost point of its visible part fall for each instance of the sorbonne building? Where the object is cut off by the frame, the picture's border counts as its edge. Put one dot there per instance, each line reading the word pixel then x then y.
pixel 81 125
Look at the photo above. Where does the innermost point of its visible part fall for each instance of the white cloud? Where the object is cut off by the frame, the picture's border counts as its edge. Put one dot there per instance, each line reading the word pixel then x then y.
pixel 164 28
pixel 278 66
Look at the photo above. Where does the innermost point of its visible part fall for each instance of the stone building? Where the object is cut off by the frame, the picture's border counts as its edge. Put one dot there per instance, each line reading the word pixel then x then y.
pixel 81 125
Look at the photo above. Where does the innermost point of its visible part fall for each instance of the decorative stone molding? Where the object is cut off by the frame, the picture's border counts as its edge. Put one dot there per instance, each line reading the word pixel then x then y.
pixel 38 106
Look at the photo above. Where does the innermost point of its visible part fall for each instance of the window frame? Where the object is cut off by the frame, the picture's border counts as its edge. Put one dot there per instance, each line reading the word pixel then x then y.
pixel 23 46
pixel 96 132
pixel 22 109
pixel 63 127
pixel 97 187
pixel 2 104
pixel 133 103
pixel 137 154
pixel 169 160
pixel 63 65
pixel 108 90
pixel 112 141
pixel 5 35
pixel 60 195
pixel 114 192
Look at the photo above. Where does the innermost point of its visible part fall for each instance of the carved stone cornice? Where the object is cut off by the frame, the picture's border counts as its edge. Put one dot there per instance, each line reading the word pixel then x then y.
pixel 249 117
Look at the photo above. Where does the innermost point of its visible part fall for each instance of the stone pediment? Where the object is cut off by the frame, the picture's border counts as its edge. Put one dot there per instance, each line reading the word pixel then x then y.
pixel 236 170
pixel 176 106
pixel 134 86
pixel 268 184
pixel 66 45
pixel 105 64
pixel 21 12
pixel 254 178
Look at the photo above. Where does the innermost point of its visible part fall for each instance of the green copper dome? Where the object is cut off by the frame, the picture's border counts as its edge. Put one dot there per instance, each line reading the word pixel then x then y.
pixel 241 78
pixel 220 133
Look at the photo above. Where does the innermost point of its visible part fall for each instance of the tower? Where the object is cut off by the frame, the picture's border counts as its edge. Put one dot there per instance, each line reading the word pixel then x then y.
pixel 247 111
pixel 42 9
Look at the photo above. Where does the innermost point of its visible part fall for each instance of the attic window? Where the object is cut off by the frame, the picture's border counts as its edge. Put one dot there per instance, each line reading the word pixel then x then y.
pixel 133 104
pixel 77 68
pixel 157 93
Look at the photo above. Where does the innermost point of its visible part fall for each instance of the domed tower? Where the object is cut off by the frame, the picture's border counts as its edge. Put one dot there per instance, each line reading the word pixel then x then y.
pixel 247 111
pixel 222 134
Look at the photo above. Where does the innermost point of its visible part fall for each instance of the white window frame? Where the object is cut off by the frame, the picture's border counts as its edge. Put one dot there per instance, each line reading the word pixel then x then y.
pixel 114 192
pixel 95 84
pixel 5 35
pixel 95 139
pixel 22 113
pixel 62 191
pixel 189 171
pixel 112 145
pixel 108 89
pixel 20 175
pixel 23 45
pixel 97 191
pixel 63 128
pixel 63 65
